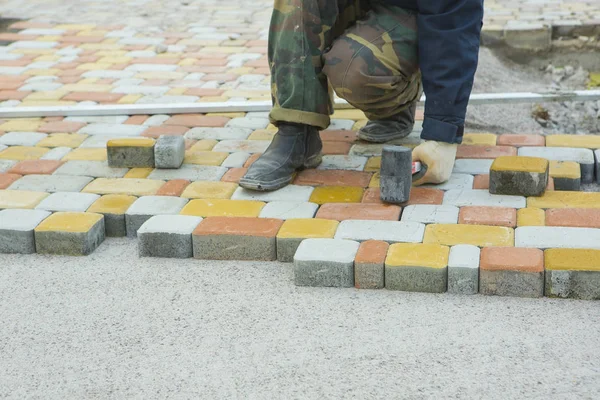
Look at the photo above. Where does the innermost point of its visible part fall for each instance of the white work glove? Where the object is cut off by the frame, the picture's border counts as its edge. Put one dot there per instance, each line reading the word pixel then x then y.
pixel 439 158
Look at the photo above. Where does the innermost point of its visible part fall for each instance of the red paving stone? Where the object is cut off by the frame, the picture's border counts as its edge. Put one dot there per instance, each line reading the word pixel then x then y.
pixel 493 216
pixel 339 136
pixel 315 177
pixel 61 127
pixel 512 259
pixel 484 152
pixel 372 252
pixel 336 148
pixel 136 120
pixel 239 226
pixel 93 96
pixel 7 179
pixel 574 217
pixel 252 159
pixel 13 95
pixel 521 140
pixel 197 121
pixel 10 85
pixel 173 188
pixel 35 167
pixel 418 195
pixel 234 175
pixel 345 211
pixel 167 130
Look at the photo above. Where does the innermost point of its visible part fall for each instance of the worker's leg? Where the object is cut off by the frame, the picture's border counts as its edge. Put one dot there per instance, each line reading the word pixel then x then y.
pixel 374 66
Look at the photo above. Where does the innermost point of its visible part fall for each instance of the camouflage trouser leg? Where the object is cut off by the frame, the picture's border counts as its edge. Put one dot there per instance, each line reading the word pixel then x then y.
pixel 367 50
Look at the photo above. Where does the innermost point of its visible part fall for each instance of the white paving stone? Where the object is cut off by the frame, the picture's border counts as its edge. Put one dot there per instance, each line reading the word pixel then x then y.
pixel 466 197
pixel 463 269
pixel 141 54
pixel 21 138
pixel 106 119
pixel 341 124
pixel 248 123
pixel 177 224
pixel 464 256
pixel 288 193
pixel 68 202
pixel 42 32
pixel 167 99
pixel 112 130
pixel 327 250
pixel 289 210
pixel 236 160
pixel 456 181
pixel 40 86
pixel 472 166
pixel 51 183
pixel 137 89
pixel 109 74
pixel 156 120
pixel 582 156
pixel 389 231
pixel 546 237
pixel 190 172
pixel 16 230
pixel 96 169
pixel 430 214
pixel 5 165
pixel 57 153
pixel 12 70
pixel 354 163
pixel 218 133
pixel 151 68
pixel 10 56
pixel 98 142
pixel 32 44
pixel 248 146
pixel 142 41
pixel 157 205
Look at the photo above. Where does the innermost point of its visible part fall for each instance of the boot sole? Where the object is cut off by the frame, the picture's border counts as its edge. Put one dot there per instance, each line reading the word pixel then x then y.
pixel 262 186
pixel 381 139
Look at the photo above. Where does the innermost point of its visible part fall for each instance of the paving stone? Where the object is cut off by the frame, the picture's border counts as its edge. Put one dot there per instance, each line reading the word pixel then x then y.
pixel 223 208
pixel 561 199
pixel 236 238
pixel 209 190
pixel 472 167
pixel 148 206
pixel 113 207
pixel 247 146
pixel 358 211
pixel 204 157
pixel 156 120
pixel 127 186
pixel 314 177
pixel 288 193
pixel 351 163
pixel 336 194
pixel 461 198
pixel 86 155
pixel 294 231
pixel 169 152
pixel 584 157
pixel 20 199
pixel 369 265
pixel 519 176
pixel 23 153
pixel 547 237
pixel 285 210
pixel 168 236
pixel 484 152
pixel 8 179
pixel 463 269
pixel 512 272
pixel 90 168
pixel 68 202
pixel 51 183
pixel 248 123
pixel 112 130
pixel 341 124
pixel 417 268
pixel 573 217
pixel 481 139
pixel 35 167
pixel 190 172
pixel 430 214
pixel 521 140
pixel 124 153
pixel 5 165
pixel 174 187
pixel 491 216
pixel 456 181
pixel 476 235
pixel 70 233
pixel 236 160
pixel 21 138
pixel 20 125
pixel 16 230
pixel 325 263
pixel 572 273
pixel 531 217
pixel 576 141
pixel 55 140
pixel 103 120
pixel 389 231
pixel 99 142
pixel 566 175
pixel 228 133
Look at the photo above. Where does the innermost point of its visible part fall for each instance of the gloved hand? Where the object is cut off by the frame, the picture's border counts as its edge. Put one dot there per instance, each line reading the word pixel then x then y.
pixel 439 158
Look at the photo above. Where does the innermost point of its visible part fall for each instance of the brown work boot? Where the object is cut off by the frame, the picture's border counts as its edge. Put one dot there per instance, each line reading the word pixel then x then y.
pixel 385 130
pixel 294 147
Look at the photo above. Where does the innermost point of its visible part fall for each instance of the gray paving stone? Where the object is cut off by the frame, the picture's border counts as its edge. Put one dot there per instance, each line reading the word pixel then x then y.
pixel 511 283
pixel 478 197
pixel 168 236
pixel 130 156
pixel 21 138
pixel 353 163
pixel 518 183
pixel 388 231
pixel 583 285
pixel 218 133
pixel 190 172
pixel 236 160
pixel 430 214
pixel 325 263
pixel 112 130
pixel 416 279
pixel 247 146
pixel 16 230
pixel 472 166
pixel 289 210
pixel 146 207
pixel 96 169
pixel 63 242
pixel 234 247
pixel 456 181
pixel 248 123
pixel 57 153
pixel 463 269
pixel 169 152
pixel 67 202
pixel 548 237
pixel 293 193
pixel 585 158
pixel 51 183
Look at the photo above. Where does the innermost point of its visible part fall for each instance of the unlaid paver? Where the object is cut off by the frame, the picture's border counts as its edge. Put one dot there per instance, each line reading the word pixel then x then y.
pixel 223 208
pixel 294 231
pixel 417 268
pixel 482 198
pixel 549 237
pixel 124 153
pixel 476 235
pixel 285 210
pixel 236 238
pixel 146 207
pixel 287 193
pixel 388 231
pixel 169 152
pixel 190 172
pixel 519 176
pixel 584 157
pixel 566 175
pixel 16 230
pixel 67 201
pixel 572 273
pixel 113 207
pixel 512 272
pixel 168 236
pixel 325 263
pixel 51 183
pixel 369 265
pixel 463 269
pixel 430 214
pixel 70 233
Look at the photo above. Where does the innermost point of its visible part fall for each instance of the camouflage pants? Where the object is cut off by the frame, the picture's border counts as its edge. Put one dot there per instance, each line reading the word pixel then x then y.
pixel 364 50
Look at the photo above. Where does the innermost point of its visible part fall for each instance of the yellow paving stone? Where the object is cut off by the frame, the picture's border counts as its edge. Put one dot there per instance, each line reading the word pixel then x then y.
pixel 128 142
pixel 75 27
pixel 69 222
pixel 47 95
pixel 110 53
pixel 477 235
pixel 241 70
pixel 92 32
pixel 110 41
pixel 138 173
pixel 20 199
pixel 531 217
pixel 417 255
pixel 129 99
pixel 308 228
pixel 336 194
pixel 198 42
pixel 94 66
pixel 227 115
pixel 42 72
pixel 88 81
pixel 46 103
pixel 373 164
pixel 48 38
pixel 565 199
pixel 23 153
pixel 519 163
pixel 134 187
pixel 484 139
pixel 160 75
pixel 349 114
pixel 21 125
pixel 86 154
pixel 62 140
pixel 581 141
pixel 204 145
pixel 187 62
pixel 227 50
pixel 212 99
pixel 572 260
pixel 204 157
pixel 47 58
pixel 359 124
pixel 375 180
pixel 77 87
pixel 34 51
pixel 261 134
pixel 112 204
pixel 565 169
pixel 209 190
pixel 101 46
pixel 272 128
pixel 177 91
pixel 223 208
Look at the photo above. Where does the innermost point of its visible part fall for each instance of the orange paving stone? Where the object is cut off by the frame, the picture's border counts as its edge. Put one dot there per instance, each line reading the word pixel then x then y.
pixel 204 92
pixel 61 127
pixel 167 130
pixel 521 140
pixel 484 152
pixel 197 121
pixel 173 188
pixel 573 217
pixel 494 216
pixel 7 179
pixel 512 259
pixel 314 177
pixel 13 95
pixel 136 120
pixel 252 159
pixel 336 148
pixel 239 226
pixel 339 136
pixel 10 85
pixel 234 175
pixel 372 252
pixel 35 167
pixel 345 211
